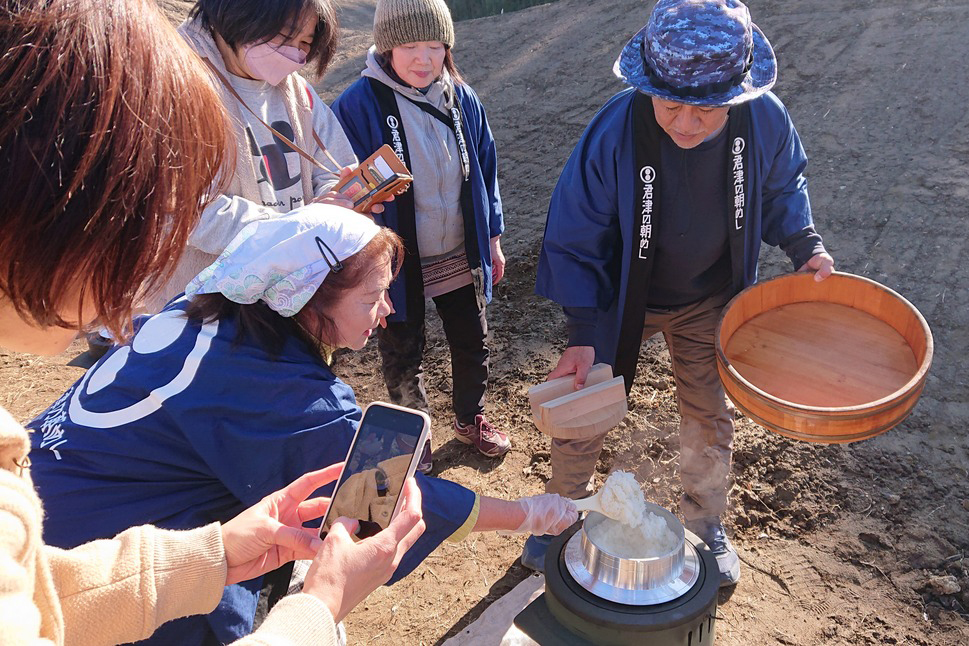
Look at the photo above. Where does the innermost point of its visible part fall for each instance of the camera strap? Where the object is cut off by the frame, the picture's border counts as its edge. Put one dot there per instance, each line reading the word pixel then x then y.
pixel 283 138
pixel 455 123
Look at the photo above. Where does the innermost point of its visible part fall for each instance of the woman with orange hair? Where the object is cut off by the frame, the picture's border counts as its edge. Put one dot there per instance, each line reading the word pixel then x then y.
pixel 110 135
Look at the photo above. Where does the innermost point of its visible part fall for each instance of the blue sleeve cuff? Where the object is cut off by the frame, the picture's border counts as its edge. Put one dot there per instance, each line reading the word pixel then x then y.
pixel 465 530
pixel 802 246
pixel 446 507
pixel 581 323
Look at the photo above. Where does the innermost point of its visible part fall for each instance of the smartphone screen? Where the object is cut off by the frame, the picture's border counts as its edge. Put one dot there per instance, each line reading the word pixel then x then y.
pixel 354 188
pixel 381 457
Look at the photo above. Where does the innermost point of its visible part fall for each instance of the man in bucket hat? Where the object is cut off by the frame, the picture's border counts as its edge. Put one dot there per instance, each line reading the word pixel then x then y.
pixel 656 222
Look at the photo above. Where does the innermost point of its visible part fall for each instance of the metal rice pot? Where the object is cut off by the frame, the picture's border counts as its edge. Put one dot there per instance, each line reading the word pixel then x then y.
pixel 637 582
pixel 593 597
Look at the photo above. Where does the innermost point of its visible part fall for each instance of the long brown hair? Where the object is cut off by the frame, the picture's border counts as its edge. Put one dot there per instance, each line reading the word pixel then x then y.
pixel 110 137
pixel 272 330
pixel 452 67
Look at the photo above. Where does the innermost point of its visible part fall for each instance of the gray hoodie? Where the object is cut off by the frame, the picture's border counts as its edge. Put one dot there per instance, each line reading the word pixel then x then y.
pixel 252 194
pixel 435 163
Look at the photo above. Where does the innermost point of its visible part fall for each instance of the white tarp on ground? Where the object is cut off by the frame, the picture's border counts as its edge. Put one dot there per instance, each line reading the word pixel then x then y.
pixel 494 626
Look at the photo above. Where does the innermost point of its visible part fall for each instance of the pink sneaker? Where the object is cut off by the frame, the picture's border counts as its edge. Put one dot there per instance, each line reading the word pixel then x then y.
pixel 489 440
pixel 426 462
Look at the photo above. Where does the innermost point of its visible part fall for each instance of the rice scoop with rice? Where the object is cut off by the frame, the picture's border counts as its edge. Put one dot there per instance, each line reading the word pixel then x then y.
pixel 636 533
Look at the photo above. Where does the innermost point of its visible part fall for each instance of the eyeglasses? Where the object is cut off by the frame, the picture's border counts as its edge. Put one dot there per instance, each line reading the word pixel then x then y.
pixel 336 266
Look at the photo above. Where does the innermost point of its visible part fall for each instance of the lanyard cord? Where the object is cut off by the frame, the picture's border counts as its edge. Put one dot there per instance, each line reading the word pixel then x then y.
pixel 455 124
pixel 275 132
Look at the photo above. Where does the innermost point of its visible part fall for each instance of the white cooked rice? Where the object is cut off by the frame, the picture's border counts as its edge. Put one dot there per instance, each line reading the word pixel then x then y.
pixel 629 531
pixel 652 537
pixel 621 498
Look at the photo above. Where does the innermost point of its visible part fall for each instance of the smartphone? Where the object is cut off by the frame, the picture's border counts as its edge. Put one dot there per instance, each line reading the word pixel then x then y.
pixel 375 180
pixel 382 456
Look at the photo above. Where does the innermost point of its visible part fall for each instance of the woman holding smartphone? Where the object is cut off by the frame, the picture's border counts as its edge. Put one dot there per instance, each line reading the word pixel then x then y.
pixel 228 393
pixel 93 93
pixel 412 97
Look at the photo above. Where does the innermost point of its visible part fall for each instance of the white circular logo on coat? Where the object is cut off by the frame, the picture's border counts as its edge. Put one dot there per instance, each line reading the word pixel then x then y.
pixel 105 374
pixel 158 333
pixel 738 145
pixel 392 122
pixel 647 174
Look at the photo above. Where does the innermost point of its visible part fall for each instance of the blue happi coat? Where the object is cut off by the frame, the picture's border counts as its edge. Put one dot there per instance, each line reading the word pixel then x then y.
pixel 187 425
pixel 585 259
pixel 358 111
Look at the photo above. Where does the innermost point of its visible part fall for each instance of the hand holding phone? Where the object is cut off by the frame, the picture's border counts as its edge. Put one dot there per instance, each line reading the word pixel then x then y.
pixel 382 456
pixel 271 532
pixel 377 179
pixel 344 572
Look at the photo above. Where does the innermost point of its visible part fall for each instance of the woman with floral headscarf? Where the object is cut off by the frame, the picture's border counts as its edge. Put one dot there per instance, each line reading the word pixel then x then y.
pixel 228 393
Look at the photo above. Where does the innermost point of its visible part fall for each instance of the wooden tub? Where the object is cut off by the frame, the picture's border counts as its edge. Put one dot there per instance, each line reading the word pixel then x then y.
pixel 837 361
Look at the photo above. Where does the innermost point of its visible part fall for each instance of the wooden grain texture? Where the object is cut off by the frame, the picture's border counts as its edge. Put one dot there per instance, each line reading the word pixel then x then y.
pixel 836 361
pixel 554 388
pixel 564 410
pixel 822 354
pixel 591 424
pixel 561 411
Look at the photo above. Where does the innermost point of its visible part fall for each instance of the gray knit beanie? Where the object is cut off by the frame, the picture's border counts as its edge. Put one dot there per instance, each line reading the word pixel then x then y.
pixel 397 22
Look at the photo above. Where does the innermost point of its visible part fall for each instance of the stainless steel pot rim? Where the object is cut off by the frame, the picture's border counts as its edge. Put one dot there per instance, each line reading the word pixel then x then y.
pixel 644 597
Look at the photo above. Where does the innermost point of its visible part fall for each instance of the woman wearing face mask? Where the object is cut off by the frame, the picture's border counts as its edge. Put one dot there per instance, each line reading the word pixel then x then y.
pixel 412 97
pixel 93 94
pixel 227 394
pixel 254 49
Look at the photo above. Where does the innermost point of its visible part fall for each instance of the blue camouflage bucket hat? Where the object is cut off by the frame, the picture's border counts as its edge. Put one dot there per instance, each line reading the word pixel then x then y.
pixel 700 52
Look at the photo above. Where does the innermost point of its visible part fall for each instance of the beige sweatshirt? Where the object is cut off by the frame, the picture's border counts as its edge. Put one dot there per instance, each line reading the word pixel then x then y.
pixel 258 188
pixel 117 590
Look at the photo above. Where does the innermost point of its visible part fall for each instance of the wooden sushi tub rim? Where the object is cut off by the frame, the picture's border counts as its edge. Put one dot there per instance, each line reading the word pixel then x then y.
pixel 911 387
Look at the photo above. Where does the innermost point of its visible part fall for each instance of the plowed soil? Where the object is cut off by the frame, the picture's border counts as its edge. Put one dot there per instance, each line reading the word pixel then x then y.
pixel 854 544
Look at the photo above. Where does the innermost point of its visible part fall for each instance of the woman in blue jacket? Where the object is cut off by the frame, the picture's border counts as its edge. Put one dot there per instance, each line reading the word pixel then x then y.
pixel 227 394
pixel 411 97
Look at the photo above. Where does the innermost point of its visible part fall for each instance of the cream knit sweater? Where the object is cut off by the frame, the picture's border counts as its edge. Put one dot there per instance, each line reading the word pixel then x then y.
pixel 117 590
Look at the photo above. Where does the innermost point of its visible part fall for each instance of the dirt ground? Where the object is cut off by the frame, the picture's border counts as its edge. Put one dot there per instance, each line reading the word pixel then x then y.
pixel 865 543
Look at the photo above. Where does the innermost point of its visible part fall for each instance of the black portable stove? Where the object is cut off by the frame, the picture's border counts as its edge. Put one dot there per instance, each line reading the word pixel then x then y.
pixel 567 614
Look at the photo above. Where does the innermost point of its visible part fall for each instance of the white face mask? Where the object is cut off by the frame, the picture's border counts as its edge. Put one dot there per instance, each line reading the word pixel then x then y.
pixel 272 63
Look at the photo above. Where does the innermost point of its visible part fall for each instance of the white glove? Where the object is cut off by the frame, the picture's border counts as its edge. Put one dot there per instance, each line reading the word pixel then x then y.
pixel 548 513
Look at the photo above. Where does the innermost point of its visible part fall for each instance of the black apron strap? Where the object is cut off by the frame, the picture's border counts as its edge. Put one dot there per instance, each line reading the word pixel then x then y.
pixel 393 135
pixel 455 123
pixel 457 126
pixel 646 193
pixel 646 190
pixel 738 189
